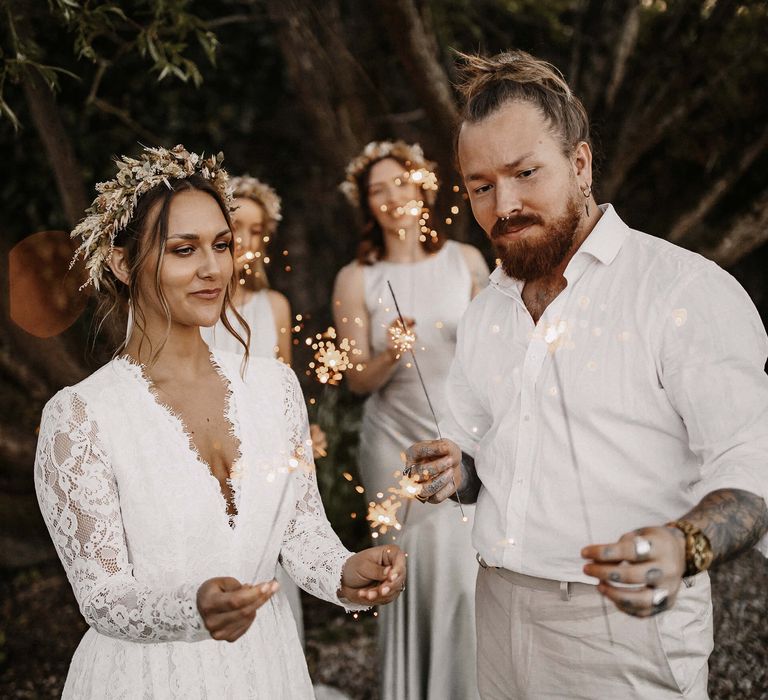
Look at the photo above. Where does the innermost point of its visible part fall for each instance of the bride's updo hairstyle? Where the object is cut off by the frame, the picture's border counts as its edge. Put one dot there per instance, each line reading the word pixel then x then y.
pixel 131 212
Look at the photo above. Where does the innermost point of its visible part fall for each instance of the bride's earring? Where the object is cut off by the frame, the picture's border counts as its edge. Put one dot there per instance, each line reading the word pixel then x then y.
pixel 586 191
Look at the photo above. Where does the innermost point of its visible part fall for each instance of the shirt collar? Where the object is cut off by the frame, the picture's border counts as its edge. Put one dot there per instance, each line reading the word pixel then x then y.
pixel 603 244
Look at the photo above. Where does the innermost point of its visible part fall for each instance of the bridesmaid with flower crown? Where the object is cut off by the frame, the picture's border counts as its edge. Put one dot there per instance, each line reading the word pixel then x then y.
pixel 174 479
pixel 427 637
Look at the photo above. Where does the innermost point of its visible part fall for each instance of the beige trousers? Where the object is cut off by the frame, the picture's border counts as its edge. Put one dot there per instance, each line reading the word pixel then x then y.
pixel 533 644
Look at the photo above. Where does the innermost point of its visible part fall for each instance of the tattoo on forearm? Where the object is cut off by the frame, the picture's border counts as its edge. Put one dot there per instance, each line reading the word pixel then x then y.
pixel 732 519
pixel 470 488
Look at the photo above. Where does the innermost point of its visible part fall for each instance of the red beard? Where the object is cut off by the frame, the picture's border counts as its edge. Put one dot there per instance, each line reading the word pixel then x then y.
pixel 536 256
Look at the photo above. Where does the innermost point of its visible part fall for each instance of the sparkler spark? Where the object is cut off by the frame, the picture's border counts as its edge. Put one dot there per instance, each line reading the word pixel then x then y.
pixel 403 338
pixel 331 360
pixel 383 516
pixel 407 487
pixel 424 178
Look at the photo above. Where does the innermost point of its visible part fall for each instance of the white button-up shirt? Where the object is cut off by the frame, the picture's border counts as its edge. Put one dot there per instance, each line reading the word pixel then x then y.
pixel 661 398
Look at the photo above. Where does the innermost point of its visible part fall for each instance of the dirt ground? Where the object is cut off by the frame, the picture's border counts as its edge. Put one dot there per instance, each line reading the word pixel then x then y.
pixel 40 627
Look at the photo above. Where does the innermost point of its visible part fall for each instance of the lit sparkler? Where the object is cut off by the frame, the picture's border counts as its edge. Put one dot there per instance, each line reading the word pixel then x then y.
pixel 407 487
pixel 424 178
pixel 424 387
pixel 294 463
pixel 555 337
pixel 383 516
pixel 331 360
pixel 414 207
pixel 403 338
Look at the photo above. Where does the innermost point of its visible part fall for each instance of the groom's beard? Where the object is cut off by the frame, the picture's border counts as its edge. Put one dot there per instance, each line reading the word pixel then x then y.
pixel 538 255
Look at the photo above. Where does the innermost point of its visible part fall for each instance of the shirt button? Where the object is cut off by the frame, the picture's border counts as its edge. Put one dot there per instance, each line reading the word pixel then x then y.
pixel 527 417
pixel 519 481
pixel 511 541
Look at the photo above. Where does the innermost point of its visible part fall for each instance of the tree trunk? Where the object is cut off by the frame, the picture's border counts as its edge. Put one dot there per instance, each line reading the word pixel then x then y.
pixel 428 79
pixel 416 46
pixel 49 127
pixel 322 80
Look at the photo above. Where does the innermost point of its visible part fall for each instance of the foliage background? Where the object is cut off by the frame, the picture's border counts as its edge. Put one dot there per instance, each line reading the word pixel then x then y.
pixel 291 89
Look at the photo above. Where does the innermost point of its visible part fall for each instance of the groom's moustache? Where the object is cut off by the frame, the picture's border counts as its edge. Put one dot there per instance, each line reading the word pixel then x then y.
pixel 513 223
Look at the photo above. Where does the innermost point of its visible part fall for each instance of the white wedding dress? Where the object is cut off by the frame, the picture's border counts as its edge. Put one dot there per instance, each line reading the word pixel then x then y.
pixel 257 312
pixel 140 522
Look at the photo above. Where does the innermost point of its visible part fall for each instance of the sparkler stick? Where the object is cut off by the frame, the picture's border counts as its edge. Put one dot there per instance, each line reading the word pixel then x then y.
pixel 423 386
pixel 574 460
pixel 273 525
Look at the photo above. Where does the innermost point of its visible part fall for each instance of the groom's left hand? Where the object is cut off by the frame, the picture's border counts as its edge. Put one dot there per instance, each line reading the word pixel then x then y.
pixel 374 576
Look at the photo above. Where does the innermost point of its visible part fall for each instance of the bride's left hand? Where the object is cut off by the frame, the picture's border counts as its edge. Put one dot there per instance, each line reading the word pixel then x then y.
pixel 375 576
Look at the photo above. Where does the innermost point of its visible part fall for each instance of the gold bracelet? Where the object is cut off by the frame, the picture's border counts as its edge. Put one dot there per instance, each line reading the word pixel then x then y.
pixel 698 549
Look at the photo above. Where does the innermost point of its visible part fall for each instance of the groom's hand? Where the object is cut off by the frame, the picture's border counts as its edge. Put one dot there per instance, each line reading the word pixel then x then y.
pixel 436 465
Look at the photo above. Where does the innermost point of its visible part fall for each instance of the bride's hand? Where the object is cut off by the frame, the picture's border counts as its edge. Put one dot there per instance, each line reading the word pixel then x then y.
pixel 374 576
pixel 228 607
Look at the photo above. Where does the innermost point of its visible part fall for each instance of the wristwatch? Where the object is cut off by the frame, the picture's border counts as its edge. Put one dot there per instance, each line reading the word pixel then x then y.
pixel 698 550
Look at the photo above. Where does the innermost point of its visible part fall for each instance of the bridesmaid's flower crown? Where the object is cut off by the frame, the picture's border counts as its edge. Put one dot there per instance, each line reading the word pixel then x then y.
pixel 113 208
pixel 260 192
pixel 419 170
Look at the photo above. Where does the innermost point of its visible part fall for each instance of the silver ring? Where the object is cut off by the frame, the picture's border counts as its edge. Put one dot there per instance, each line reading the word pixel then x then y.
pixel 660 595
pixel 642 548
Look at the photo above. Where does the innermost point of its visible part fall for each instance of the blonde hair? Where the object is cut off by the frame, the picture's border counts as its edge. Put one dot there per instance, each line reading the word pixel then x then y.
pixel 488 83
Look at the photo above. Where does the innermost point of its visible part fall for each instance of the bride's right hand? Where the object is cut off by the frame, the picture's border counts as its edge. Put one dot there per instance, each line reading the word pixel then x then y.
pixel 229 607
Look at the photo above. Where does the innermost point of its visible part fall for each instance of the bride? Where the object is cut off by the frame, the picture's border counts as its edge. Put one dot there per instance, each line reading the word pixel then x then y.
pixel 174 479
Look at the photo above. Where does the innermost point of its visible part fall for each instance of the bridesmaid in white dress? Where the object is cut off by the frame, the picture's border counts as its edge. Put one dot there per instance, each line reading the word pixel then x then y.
pixel 266 311
pixel 174 479
pixel 255 218
pixel 427 638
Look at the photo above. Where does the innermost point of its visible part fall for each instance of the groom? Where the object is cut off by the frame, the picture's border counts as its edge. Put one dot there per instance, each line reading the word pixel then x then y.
pixel 607 387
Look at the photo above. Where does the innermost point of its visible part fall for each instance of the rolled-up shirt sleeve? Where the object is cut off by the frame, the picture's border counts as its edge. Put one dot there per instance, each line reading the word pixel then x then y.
pixel 713 355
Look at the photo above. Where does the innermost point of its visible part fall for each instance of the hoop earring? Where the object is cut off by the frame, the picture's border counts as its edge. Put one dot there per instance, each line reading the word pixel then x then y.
pixel 586 191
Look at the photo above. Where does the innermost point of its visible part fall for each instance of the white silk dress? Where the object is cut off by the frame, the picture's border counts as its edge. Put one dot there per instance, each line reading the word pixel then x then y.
pixel 140 522
pixel 427 636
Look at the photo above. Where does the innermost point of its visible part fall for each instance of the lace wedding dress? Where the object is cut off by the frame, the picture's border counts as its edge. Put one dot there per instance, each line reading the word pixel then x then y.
pixel 257 312
pixel 140 522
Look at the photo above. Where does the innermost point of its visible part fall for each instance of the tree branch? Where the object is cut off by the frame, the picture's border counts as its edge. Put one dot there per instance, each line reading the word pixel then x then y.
pixel 722 185
pixel 747 233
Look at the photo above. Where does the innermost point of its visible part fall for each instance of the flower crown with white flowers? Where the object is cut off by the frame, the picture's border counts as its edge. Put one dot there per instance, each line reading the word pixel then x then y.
pixel 260 192
pixel 113 208
pixel 419 170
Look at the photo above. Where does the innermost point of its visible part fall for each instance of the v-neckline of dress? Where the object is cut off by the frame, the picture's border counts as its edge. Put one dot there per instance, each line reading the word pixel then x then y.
pixel 138 371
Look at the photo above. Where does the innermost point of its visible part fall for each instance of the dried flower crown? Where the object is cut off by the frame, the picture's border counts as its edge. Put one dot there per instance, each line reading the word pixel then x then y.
pixel 113 208
pixel 420 170
pixel 260 192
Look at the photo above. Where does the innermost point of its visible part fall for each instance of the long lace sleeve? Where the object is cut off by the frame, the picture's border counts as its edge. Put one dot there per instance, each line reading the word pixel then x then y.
pixel 78 497
pixel 311 552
